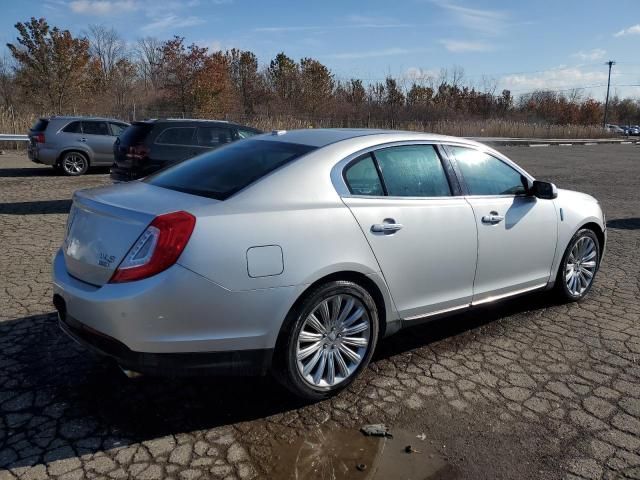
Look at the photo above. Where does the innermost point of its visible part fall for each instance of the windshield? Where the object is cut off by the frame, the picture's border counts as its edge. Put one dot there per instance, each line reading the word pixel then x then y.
pixel 222 172
pixel 135 133
pixel 40 125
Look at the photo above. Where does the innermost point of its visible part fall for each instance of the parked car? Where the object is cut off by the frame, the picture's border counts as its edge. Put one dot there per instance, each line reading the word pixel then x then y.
pixel 73 144
pixel 633 130
pixel 146 147
pixel 297 251
pixel 615 129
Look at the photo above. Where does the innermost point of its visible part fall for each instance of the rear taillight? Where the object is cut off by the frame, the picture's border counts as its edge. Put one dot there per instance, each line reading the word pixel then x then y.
pixel 157 248
pixel 39 137
pixel 138 152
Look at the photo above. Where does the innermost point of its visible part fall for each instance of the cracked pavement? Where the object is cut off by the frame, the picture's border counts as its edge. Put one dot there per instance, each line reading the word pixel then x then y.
pixel 527 388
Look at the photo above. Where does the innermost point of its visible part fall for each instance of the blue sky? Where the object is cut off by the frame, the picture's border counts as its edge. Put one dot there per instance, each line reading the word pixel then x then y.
pixel 558 44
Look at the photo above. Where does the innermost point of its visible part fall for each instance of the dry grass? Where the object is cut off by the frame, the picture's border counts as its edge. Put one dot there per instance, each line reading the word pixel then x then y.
pixel 11 122
pixel 460 128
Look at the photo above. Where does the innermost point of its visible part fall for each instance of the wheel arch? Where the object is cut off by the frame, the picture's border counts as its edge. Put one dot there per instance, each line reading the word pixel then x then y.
pixel 388 322
pixel 81 151
pixel 597 229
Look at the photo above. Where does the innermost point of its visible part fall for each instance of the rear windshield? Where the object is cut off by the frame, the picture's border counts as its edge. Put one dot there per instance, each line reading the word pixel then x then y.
pixel 40 125
pixel 135 133
pixel 220 173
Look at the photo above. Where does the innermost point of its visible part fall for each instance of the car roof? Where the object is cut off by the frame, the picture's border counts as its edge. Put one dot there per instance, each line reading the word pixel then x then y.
pixel 71 117
pixel 321 137
pixel 153 121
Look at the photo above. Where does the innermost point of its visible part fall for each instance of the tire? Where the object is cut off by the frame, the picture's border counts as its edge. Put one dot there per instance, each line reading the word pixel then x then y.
pixel 572 275
pixel 348 307
pixel 74 164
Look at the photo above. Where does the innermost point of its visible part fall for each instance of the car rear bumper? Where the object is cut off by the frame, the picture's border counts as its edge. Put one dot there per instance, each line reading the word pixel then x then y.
pixel 42 155
pixel 243 362
pixel 175 317
pixel 120 174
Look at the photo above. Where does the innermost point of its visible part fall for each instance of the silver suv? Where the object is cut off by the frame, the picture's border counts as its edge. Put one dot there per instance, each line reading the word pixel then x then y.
pixel 73 144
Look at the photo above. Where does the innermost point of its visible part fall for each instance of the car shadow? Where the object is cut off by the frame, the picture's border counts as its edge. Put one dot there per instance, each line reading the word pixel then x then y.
pixel 36 207
pixel 28 172
pixel 443 327
pixel 59 399
pixel 624 223
pixel 44 172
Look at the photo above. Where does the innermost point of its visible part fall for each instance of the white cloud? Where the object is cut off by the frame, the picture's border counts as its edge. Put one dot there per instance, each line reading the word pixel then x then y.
pixel 492 22
pixel 319 28
pixel 416 74
pixel 561 78
pixel 595 54
pixel 385 52
pixel 171 21
pixel 633 30
pixel 461 46
pixel 101 7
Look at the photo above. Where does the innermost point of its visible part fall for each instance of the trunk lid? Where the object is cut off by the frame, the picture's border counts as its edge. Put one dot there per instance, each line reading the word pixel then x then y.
pixel 105 222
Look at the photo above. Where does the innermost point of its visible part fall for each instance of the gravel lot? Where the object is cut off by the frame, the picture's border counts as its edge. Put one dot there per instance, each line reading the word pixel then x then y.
pixel 523 389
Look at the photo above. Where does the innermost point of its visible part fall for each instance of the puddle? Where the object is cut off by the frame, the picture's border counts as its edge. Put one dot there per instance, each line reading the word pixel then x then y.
pixel 348 454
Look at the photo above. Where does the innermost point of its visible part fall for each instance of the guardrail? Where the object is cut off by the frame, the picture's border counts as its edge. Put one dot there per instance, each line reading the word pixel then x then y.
pixel 13 137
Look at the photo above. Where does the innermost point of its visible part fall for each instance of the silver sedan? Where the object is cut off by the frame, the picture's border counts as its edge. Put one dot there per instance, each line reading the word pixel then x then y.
pixel 295 252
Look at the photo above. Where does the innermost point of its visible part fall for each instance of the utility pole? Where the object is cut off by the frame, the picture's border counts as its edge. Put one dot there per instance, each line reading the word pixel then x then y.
pixel 611 63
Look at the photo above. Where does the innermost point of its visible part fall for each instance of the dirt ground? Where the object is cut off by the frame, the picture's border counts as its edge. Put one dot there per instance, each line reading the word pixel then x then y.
pixel 523 389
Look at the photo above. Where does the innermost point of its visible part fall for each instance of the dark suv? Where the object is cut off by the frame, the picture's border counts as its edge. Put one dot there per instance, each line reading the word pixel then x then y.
pixel 150 145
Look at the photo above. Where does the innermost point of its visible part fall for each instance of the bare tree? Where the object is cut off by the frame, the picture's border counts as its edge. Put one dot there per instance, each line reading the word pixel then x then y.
pixel 150 61
pixel 107 48
pixel 8 91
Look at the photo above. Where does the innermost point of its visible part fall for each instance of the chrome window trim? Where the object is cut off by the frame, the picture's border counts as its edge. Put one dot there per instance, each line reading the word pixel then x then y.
pixel 339 183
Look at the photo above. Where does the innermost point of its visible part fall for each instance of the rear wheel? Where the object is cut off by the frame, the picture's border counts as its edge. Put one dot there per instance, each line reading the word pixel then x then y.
pixel 74 163
pixel 579 266
pixel 330 337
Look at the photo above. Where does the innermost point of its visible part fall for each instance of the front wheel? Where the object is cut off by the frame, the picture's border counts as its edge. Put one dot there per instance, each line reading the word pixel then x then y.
pixel 329 338
pixel 579 266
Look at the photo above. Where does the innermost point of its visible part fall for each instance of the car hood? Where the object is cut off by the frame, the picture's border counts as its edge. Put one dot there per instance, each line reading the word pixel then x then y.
pixel 575 196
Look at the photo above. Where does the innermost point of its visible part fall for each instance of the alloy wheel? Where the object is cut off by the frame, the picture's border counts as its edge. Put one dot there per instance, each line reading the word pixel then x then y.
pixel 581 266
pixel 74 164
pixel 333 341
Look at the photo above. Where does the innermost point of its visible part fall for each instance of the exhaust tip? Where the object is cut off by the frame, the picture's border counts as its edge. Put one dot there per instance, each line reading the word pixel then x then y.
pixel 129 373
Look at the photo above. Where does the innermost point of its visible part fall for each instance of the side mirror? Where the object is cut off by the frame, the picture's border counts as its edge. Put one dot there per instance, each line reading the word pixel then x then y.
pixel 544 190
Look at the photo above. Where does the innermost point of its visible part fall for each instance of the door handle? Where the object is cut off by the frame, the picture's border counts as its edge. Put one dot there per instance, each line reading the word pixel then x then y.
pixel 492 218
pixel 83 139
pixel 386 227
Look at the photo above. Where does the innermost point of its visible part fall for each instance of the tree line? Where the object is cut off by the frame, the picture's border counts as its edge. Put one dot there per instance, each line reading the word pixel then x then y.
pixel 52 71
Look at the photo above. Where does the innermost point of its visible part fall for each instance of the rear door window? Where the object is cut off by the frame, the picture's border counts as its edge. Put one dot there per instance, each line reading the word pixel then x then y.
pixel 213 136
pixel 362 177
pixel 95 128
pixel 177 136
pixel 412 171
pixel 222 172
pixel 73 127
